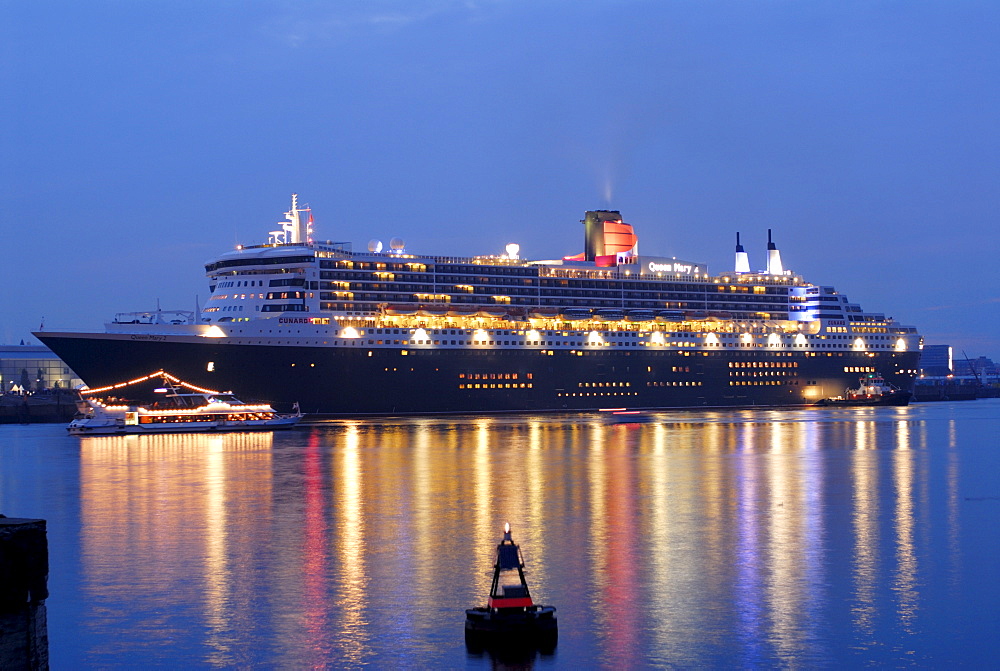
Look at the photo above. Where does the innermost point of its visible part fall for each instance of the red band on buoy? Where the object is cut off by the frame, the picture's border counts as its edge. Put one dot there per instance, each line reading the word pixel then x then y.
pixel 518 602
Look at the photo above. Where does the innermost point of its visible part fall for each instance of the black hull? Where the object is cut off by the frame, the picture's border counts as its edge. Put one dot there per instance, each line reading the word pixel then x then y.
pixel 360 381
pixel 539 621
pixel 901 398
pixel 534 628
pixel 85 431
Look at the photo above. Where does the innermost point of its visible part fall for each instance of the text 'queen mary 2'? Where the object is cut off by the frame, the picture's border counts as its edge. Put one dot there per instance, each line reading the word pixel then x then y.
pixel 345 332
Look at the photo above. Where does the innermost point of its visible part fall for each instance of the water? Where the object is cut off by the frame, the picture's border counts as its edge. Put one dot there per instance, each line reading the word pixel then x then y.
pixel 826 537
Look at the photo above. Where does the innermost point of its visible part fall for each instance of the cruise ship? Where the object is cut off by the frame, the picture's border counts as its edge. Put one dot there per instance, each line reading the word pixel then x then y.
pixel 387 331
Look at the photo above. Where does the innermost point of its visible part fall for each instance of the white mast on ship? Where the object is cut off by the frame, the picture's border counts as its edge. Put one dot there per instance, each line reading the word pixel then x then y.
pixel 292 231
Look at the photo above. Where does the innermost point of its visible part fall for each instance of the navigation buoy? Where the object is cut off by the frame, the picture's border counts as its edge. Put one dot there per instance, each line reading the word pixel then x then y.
pixel 510 616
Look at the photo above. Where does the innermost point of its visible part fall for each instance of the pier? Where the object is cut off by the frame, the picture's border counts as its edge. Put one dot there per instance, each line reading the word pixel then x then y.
pixel 24 571
pixel 56 407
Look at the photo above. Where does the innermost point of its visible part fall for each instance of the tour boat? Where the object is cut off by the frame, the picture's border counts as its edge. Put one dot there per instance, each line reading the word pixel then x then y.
pixel 191 410
pixel 510 616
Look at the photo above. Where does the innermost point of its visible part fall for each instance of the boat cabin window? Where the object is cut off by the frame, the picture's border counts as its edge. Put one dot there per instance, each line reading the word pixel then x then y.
pixel 186 401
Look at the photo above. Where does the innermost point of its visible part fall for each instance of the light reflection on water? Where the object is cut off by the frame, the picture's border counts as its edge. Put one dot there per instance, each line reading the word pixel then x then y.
pixel 742 538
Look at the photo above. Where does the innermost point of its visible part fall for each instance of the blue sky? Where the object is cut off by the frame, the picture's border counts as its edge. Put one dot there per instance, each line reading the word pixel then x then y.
pixel 139 139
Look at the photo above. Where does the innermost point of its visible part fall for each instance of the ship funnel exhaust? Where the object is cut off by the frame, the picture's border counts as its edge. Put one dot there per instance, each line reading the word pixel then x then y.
pixel 605 235
pixel 774 266
pixel 742 258
pixel 593 231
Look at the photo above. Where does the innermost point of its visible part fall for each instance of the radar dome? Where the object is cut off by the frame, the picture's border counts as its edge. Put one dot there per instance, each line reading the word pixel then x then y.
pixel 513 249
pixel 375 246
pixel 396 244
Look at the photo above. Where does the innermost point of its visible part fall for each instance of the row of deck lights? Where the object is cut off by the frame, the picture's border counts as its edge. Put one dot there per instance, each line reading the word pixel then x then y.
pixel 595 339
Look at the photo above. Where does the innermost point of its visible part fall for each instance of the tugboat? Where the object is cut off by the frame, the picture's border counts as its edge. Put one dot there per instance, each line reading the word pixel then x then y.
pixel 873 390
pixel 510 617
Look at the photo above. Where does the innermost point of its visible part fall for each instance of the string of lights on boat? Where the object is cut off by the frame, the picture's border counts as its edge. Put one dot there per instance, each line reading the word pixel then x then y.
pixel 160 373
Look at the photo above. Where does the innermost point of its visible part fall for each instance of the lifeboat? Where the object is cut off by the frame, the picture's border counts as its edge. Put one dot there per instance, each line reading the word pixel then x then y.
pixel 543 313
pixel 493 310
pixel 510 615
pixel 640 315
pixel 401 310
pixel 462 310
pixel 434 310
pixel 571 314
pixel 670 316
pixel 610 314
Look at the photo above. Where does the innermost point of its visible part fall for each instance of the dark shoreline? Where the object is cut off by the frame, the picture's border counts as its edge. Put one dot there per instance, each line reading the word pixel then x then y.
pixel 37 408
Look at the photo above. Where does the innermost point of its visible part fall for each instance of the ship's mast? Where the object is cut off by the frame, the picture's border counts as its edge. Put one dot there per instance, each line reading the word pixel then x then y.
pixel 293 228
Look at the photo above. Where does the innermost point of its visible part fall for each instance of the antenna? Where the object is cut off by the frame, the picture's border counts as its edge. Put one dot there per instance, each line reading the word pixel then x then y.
pixel 292 230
